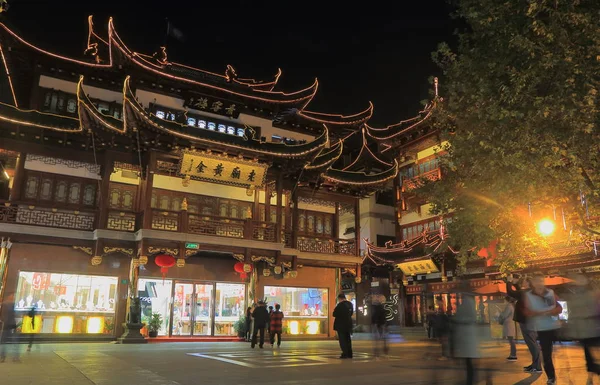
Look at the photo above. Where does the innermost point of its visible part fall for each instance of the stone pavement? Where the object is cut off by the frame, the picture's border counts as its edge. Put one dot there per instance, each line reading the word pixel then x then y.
pixel 296 363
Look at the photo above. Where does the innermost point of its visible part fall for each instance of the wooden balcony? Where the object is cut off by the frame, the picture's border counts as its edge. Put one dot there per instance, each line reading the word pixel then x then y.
pixel 172 221
pixel 27 214
pixel 409 184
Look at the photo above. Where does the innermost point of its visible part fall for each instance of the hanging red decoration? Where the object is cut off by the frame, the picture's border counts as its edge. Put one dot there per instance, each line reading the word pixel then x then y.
pixel 243 275
pixel 238 267
pixel 164 261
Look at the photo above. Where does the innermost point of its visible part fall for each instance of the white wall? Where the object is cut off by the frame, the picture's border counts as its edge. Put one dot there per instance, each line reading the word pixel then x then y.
pixel 71 87
pixel 118 177
pixel 82 172
pixel 375 219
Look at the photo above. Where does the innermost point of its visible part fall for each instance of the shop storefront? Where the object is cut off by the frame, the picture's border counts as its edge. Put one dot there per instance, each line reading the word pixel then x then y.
pixel 71 298
pixel 65 303
pixel 193 308
pixel 307 301
pixel 306 310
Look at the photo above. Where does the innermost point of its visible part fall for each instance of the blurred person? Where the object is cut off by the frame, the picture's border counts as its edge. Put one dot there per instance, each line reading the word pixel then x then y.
pixel 343 325
pixel 430 319
pixel 442 328
pixel 508 327
pixel 516 289
pixel 584 320
pixel 276 328
pixel 248 321
pixel 378 325
pixel 541 305
pixel 9 327
pixel 268 327
pixel 261 318
pixel 464 332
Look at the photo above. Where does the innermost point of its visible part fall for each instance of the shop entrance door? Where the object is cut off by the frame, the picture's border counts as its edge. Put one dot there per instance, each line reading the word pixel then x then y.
pixel 192 309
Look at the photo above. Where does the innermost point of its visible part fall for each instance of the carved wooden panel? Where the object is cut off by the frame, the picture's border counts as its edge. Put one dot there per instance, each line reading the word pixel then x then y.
pixel 55 218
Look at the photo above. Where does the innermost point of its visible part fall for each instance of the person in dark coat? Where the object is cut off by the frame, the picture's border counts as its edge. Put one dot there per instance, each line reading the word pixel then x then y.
pixel 343 325
pixel 430 319
pixel 516 289
pixel 261 319
pixel 276 325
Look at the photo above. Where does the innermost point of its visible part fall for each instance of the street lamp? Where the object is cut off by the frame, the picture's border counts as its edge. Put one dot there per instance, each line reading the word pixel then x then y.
pixel 546 227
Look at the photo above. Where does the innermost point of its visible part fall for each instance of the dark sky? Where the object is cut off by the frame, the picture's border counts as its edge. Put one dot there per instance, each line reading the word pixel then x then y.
pixel 359 50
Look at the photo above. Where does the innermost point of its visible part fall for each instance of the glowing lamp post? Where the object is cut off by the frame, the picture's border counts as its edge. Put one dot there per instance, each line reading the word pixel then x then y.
pixel 546 227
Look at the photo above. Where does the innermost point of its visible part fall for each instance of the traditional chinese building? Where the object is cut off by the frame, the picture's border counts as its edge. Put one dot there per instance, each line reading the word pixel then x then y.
pixel 422 256
pixel 126 175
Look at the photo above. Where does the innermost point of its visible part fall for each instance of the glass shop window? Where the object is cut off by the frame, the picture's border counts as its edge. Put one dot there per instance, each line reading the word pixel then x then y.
pixel 305 310
pixel 66 303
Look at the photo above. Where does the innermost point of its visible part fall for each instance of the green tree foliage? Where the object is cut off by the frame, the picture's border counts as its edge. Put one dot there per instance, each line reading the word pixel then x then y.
pixel 521 112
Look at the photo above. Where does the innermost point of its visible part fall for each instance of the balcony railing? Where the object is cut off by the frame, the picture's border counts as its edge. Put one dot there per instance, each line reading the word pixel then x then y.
pixel 415 182
pixel 26 214
pixel 129 221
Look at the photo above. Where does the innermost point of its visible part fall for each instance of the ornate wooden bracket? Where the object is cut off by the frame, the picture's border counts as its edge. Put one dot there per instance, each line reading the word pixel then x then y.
pixel 125 251
pixel 155 250
pixel 86 250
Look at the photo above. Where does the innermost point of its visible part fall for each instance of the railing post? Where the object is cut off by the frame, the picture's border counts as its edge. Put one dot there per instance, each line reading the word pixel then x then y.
pixel 146 201
pixel 248 229
pixel 295 219
pixel 278 232
pixel 106 170
pixel 18 179
pixel 183 221
pixel 357 225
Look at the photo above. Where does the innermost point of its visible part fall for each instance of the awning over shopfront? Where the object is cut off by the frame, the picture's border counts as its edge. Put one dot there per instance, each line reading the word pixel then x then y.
pixel 418 266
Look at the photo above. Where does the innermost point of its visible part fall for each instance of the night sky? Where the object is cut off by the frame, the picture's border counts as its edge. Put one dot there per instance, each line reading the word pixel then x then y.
pixel 360 51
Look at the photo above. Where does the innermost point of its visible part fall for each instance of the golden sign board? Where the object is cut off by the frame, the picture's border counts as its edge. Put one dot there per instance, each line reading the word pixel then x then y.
pixel 424 266
pixel 222 169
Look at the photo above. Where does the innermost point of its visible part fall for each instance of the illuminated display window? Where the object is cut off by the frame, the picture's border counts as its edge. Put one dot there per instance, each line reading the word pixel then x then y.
pixel 240 132
pixel 202 123
pixel 160 114
pixel 191 122
pixel 66 303
pixel 231 130
pixel 222 128
pixel 212 126
pixel 306 310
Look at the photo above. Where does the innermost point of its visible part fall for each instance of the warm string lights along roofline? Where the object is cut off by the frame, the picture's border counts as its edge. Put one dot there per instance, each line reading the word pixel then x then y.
pixel 392 174
pixel 32 124
pixel 9 78
pixel 338 147
pixel 118 42
pixel 360 154
pixel 321 117
pixel 140 111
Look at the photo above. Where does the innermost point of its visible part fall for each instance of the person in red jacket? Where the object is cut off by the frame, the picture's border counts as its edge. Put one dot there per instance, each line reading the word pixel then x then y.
pixel 276 325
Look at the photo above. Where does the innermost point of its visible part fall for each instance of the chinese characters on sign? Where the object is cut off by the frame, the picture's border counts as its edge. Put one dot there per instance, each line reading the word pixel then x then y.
pixel 425 266
pixel 220 169
pixel 204 103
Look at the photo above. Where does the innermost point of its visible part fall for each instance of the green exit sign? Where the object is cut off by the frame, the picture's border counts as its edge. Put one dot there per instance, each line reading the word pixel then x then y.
pixel 193 246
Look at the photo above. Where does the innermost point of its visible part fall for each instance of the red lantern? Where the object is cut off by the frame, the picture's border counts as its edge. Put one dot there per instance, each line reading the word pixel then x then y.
pixel 238 267
pixel 243 275
pixel 164 261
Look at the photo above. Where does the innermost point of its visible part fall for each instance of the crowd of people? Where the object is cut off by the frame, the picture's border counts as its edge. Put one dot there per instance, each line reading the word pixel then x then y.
pixel 535 308
pixel 260 321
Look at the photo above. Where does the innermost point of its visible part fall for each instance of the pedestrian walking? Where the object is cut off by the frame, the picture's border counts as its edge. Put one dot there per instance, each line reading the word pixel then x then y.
pixel 31 315
pixel 268 327
pixel 379 326
pixel 541 305
pixel 584 320
pixel 276 325
pixel 516 288
pixel 248 324
pixel 261 318
pixel 464 334
pixel 442 329
pixel 343 325
pixel 508 327
pixel 430 319
pixel 9 326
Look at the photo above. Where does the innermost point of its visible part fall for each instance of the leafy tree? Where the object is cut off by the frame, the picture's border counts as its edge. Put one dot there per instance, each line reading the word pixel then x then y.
pixel 521 114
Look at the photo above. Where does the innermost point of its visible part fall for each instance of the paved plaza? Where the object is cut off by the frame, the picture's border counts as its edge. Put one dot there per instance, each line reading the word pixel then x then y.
pixel 295 363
